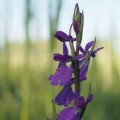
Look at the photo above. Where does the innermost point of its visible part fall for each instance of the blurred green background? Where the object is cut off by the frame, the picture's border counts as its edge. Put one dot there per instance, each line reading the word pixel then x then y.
pixel 26 48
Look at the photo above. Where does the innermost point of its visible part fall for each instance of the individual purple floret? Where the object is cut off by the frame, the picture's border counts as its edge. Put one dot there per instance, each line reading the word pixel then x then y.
pixel 63 73
pixel 87 47
pixel 73 113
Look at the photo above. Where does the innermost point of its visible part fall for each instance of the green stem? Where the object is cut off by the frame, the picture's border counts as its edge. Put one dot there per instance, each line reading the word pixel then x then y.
pixel 54 109
pixel 74 63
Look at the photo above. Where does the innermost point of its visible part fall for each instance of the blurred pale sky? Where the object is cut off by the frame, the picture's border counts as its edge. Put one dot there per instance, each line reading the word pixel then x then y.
pixel 101 19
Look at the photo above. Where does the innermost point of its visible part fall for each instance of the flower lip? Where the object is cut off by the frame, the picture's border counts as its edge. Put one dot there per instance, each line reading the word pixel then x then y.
pixel 62 75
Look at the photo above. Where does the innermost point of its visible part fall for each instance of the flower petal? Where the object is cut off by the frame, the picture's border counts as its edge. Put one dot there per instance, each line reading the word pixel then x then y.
pixel 79 56
pixel 65 50
pixel 73 39
pixel 88 45
pixel 62 75
pixel 70 113
pixel 95 51
pixel 66 95
pixel 76 26
pixel 63 37
pixel 59 57
pixel 84 70
pixel 81 49
pixel 89 99
pixel 80 102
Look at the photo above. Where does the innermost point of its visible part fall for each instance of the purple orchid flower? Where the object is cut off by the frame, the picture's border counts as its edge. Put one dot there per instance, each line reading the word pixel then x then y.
pixel 88 45
pixel 63 73
pixel 73 113
pixel 63 37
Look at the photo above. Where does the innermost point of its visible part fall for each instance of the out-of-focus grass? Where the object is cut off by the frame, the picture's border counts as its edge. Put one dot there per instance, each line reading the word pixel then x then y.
pixel 35 89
